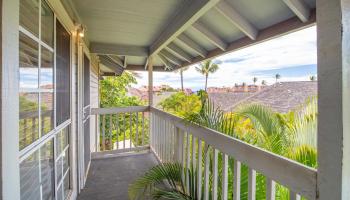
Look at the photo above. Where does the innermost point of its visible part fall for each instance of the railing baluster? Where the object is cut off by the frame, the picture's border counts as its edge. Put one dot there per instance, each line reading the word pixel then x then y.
pixel 162 135
pixel 194 163
pixel 183 155
pixel 103 133
pixel 166 140
pixel 143 128
pixel 116 129
pixel 206 174
pixel 110 132
pixel 294 196
pixel 270 189
pixel 137 130
pixel 251 184
pixel 124 129
pixel 199 170
pixel 130 127
pixel 224 188
pixel 215 174
pixel 188 159
pixel 237 180
pixel 33 128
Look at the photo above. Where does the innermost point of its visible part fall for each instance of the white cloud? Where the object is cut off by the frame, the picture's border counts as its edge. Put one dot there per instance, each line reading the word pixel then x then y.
pixel 295 49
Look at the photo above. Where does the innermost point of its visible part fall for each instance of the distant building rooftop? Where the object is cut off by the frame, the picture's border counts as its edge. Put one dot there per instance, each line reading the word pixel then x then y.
pixel 280 97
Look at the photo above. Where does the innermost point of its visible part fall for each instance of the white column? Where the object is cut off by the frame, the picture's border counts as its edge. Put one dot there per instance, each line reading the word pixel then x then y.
pixel 150 80
pixel 333 34
pixel 10 188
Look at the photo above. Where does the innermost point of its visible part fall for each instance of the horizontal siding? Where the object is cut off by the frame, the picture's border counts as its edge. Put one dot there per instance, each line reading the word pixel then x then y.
pixel 94 100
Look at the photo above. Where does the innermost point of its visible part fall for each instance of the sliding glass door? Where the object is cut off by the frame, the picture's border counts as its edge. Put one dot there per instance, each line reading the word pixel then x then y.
pixel 45 116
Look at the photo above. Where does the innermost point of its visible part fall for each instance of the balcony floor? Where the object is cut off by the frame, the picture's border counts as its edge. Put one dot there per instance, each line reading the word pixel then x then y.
pixel 109 178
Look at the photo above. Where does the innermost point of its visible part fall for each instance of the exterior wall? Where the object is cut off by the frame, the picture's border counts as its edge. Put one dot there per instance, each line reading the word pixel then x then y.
pixel 94 100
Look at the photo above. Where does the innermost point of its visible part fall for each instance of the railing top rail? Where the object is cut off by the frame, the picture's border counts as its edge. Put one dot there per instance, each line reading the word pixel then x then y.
pixel 115 110
pixel 297 177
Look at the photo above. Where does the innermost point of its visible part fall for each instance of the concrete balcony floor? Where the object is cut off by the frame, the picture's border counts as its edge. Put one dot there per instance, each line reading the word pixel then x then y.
pixel 109 178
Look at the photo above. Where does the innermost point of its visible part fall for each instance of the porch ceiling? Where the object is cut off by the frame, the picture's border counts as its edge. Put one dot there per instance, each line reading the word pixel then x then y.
pixel 179 33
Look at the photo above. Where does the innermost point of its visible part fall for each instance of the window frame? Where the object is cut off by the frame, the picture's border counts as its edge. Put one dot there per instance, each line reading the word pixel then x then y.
pixel 67 124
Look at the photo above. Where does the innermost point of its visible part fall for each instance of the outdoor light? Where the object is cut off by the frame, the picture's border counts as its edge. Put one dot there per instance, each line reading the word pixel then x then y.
pixel 81 31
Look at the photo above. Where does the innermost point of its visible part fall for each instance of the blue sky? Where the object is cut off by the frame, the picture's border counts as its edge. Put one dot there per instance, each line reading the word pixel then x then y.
pixel 293 56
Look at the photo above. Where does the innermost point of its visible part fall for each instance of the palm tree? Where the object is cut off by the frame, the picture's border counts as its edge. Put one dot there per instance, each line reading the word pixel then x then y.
pixel 313 78
pixel 255 79
pixel 206 68
pixel 277 76
pixel 181 70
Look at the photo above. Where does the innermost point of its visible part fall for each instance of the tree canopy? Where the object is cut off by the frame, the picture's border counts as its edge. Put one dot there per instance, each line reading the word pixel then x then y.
pixel 113 91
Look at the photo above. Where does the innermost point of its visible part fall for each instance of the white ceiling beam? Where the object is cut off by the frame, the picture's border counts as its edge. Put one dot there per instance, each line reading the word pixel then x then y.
pixel 177 51
pixel 170 57
pixel 184 39
pixel 117 60
pixel 106 61
pixel 146 63
pixel 300 8
pixel 237 19
pixel 121 50
pixel 191 11
pixel 166 62
pixel 125 61
pixel 209 35
pixel 282 28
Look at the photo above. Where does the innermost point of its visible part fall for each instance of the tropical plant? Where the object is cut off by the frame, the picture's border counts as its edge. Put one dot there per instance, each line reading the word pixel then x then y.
pixel 255 79
pixel 165 181
pixel 277 76
pixel 181 104
pixel 181 71
pixel 263 82
pixel 206 68
pixel 113 91
pixel 292 135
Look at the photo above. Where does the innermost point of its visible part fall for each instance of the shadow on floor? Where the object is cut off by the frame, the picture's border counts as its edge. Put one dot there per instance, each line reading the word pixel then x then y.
pixel 109 178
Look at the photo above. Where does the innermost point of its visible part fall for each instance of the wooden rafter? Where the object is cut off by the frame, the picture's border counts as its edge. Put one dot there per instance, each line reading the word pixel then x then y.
pixel 237 19
pixel 210 35
pixel 191 11
pixel 184 39
pixel 300 8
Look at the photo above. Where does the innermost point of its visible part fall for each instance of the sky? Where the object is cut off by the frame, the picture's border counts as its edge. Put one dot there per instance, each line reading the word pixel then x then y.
pixel 293 56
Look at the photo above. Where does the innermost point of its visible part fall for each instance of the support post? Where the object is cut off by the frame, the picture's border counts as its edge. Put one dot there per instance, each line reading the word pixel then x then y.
pixel 333 42
pixel 150 81
pixel 9 75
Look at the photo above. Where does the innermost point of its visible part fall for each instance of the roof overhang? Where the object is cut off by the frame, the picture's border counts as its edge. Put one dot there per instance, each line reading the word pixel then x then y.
pixel 179 33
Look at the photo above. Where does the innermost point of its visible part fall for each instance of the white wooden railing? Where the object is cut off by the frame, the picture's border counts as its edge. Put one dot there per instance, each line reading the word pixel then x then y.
pixel 175 140
pixel 122 129
pixel 172 139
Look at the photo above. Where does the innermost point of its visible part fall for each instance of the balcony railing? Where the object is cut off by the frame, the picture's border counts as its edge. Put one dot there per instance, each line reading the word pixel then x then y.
pixel 172 139
pixel 122 129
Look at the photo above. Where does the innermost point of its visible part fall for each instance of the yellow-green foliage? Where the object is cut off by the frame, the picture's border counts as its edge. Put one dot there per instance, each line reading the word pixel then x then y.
pixel 181 104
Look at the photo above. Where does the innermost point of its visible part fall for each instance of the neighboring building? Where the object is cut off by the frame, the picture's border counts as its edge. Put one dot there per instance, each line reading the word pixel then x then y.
pixel 284 96
pixel 225 100
pixel 237 88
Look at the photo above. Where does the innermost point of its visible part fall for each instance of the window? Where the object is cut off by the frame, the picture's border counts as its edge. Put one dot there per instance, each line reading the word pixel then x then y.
pixel 44 102
pixel 62 74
